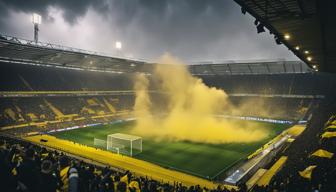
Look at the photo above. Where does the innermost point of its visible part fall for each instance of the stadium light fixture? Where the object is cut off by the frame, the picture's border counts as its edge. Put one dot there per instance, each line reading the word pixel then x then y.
pixel 297 48
pixel 287 36
pixel 118 45
pixel 315 66
pixel 306 52
pixel 36 19
pixel 309 58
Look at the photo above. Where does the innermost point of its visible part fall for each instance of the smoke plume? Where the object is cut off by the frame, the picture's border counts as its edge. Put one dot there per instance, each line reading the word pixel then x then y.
pixel 186 108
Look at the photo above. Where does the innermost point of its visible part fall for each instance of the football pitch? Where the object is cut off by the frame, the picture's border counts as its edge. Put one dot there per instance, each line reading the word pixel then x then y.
pixel 199 159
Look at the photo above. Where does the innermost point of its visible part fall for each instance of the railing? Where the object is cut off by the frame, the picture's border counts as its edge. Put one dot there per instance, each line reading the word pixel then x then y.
pixel 14 94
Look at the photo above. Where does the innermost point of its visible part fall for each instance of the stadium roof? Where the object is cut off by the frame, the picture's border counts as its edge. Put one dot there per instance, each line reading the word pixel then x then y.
pixel 249 67
pixel 17 50
pixel 306 27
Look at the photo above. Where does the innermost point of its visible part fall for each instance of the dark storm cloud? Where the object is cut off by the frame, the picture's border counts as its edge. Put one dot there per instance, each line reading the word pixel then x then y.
pixel 127 9
pixel 72 8
pixel 190 29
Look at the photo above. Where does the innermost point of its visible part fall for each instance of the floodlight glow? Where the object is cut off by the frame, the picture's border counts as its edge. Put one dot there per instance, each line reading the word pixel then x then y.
pixel 314 66
pixel 118 45
pixel 36 19
pixel 306 52
pixel 287 36
pixel 297 48
pixel 309 58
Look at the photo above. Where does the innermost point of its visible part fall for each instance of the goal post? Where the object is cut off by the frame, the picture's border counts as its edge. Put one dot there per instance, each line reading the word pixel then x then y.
pixel 124 144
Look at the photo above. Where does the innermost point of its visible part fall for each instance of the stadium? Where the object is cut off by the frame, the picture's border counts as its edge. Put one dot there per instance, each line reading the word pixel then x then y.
pixel 78 120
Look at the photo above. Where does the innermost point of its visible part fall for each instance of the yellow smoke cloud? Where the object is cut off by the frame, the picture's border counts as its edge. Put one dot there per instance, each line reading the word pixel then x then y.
pixel 190 108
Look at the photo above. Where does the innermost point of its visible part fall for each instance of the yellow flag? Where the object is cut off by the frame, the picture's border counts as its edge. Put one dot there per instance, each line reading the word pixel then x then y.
pixel 328 134
pixel 134 185
pixel 124 179
pixel 331 127
pixel 333 122
pixel 307 172
pixel 98 172
pixel 322 153
pixel 14 172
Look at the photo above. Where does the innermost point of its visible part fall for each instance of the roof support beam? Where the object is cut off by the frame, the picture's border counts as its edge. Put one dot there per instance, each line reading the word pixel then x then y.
pixel 325 11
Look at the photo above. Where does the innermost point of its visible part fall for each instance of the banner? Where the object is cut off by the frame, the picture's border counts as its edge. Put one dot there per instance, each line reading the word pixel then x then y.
pixel 331 127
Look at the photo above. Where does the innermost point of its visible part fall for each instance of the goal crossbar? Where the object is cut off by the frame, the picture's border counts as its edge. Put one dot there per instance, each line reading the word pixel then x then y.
pixel 125 136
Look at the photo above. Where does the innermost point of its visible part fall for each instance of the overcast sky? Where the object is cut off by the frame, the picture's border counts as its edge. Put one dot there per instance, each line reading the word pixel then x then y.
pixel 193 30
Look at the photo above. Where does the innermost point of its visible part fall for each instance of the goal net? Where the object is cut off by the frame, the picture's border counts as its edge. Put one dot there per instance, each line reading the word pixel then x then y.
pixel 124 144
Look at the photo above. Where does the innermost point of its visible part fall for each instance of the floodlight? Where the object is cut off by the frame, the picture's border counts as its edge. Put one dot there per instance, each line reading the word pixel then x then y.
pixel 315 66
pixel 309 58
pixel 306 52
pixel 36 19
pixel 118 45
pixel 297 48
pixel 287 36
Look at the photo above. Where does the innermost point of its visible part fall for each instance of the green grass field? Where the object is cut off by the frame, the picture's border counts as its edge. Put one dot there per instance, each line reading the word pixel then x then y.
pixel 200 159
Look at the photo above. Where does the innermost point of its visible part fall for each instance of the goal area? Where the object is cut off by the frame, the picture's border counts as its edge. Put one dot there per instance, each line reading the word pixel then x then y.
pixel 124 144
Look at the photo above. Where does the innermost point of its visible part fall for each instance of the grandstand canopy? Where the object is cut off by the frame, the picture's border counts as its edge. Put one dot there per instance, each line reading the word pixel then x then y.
pixel 17 50
pixel 13 49
pixel 249 67
pixel 306 27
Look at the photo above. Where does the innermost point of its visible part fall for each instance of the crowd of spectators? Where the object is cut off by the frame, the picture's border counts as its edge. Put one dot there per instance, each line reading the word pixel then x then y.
pixel 26 167
pixel 300 157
